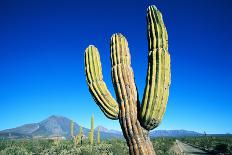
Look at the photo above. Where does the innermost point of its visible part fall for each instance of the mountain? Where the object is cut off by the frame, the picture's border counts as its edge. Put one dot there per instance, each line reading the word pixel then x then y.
pixel 173 133
pixel 12 135
pixel 24 129
pixel 115 132
pixel 59 126
pixel 106 133
pixel 54 126
pixel 103 129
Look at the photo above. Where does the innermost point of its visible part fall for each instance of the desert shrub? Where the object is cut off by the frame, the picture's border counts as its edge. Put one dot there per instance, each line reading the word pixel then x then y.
pixel 119 146
pixel 3 144
pixel 67 147
pixel 37 146
pixel 162 145
pixel 15 150
pixel 61 148
pixel 221 148
pixel 103 149
pixel 216 145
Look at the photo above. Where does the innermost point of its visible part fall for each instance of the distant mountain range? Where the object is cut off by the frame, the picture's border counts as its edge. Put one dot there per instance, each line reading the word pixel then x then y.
pixel 54 126
pixel 173 133
pixel 59 126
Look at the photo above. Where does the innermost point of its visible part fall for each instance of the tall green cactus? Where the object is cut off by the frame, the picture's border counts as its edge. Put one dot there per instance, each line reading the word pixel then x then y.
pixel 98 136
pixel 91 133
pixel 73 137
pixel 136 120
pixel 80 135
pixel 72 129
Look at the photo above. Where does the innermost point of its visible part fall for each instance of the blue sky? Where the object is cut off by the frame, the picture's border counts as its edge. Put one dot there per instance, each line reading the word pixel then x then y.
pixel 42 47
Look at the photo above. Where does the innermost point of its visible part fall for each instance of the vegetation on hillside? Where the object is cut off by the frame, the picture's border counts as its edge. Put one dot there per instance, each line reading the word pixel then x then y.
pixel 217 145
pixel 67 147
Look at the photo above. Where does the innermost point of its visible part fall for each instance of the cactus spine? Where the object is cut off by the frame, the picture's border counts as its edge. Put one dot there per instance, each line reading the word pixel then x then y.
pixel 136 120
pixel 98 136
pixel 91 133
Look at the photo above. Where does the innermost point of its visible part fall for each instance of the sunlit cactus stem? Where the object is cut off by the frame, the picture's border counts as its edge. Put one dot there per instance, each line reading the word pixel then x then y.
pixel 80 135
pixel 136 119
pixel 91 133
pixel 73 137
pixel 76 140
pixel 72 129
pixel 98 136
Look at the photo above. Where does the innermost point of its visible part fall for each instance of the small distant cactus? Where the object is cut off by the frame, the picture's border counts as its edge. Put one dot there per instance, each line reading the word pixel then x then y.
pixel 80 135
pixel 91 133
pixel 98 136
pixel 76 138
pixel 72 129
pixel 135 119
pixel 205 134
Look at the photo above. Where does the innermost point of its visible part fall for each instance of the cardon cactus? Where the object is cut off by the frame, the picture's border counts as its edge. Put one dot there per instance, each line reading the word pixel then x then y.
pixel 80 135
pixel 91 133
pixel 135 119
pixel 98 136
pixel 72 129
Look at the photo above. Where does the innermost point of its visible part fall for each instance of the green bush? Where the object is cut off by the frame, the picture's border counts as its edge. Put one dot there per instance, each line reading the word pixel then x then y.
pixel 119 147
pixel 215 145
pixel 107 147
pixel 14 150
pixel 221 148
pixel 162 145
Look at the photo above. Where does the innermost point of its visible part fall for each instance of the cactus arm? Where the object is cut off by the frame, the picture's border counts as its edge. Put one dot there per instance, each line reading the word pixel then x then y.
pixel 158 73
pixel 97 86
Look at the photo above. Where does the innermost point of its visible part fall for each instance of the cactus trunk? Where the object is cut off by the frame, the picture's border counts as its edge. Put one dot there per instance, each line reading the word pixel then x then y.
pixel 139 144
pixel 136 120
pixel 136 136
pixel 125 89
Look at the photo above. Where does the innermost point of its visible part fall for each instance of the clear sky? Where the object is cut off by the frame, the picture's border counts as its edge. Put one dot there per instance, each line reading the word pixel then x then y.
pixel 42 45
